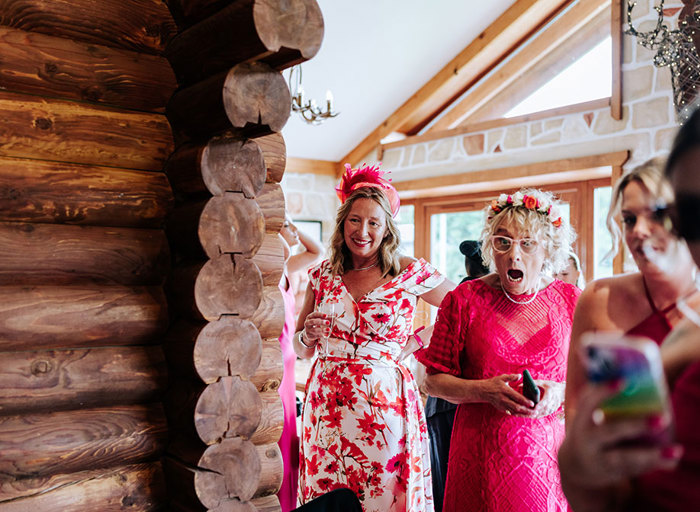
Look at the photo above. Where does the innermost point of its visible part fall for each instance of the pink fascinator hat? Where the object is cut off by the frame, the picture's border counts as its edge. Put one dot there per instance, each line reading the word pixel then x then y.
pixel 367 176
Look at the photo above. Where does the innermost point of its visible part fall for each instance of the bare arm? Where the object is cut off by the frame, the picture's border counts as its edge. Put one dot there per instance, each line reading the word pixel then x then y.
pixel 495 391
pixel 304 260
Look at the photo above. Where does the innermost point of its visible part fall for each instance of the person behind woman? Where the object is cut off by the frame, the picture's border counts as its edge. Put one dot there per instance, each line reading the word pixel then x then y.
pixel 572 272
pixel 600 470
pixel 363 424
pixel 488 331
pixel 289 442
pixel 440 413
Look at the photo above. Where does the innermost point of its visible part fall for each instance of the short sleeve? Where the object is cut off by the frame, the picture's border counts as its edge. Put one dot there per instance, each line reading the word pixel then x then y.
pixel 446 344
pixel 315 274
pixel 419 277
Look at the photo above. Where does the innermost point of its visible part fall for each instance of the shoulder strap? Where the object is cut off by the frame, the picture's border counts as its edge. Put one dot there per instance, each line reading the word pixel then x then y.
pixel 651 301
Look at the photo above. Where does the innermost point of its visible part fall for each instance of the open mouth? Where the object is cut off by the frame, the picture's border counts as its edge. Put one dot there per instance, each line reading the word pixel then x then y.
pixel 360 243
pixel 515 275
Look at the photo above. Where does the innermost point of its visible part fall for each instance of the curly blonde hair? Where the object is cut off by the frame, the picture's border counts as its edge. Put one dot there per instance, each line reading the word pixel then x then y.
pixel 388 257
pixel 556 240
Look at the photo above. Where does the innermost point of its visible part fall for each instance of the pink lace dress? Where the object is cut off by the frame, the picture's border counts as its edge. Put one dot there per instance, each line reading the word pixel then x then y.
pixel 363 422
pixel 502 463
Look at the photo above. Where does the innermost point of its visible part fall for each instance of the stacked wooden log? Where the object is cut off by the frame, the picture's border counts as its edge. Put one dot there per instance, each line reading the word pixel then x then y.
pixel 224 411
pixel 83 253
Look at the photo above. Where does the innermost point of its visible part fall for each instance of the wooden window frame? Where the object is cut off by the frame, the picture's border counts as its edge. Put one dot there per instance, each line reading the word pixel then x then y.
pixel 580 178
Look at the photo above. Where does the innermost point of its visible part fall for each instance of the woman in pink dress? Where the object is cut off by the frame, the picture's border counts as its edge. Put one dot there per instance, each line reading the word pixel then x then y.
pixel 488 331
pixel 363 422
pixel 289 442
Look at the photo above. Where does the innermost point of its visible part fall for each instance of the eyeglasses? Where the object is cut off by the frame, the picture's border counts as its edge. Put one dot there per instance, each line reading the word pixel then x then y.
pixel 505 244
pixel 680 218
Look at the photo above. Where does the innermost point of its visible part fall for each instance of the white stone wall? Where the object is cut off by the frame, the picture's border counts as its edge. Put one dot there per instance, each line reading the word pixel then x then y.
pixel 311 197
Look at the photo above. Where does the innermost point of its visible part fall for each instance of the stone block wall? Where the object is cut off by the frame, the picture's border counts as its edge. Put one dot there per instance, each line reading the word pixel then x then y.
pixel 312 197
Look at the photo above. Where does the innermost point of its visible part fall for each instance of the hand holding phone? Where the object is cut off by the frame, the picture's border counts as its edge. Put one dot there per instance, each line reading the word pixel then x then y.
pixel 531 391
pixel 634 363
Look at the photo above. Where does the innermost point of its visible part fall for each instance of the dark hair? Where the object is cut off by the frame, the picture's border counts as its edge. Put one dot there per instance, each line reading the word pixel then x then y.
pixel 473 263
pixel 687 139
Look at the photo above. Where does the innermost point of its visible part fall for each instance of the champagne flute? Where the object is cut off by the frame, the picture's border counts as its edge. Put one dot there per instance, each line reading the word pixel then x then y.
pixel 330 309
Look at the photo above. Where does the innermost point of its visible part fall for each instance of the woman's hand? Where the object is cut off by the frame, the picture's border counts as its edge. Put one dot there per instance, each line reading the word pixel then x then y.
pixel 498 392
pixel 315 326
pixel 551 398
pixel 412 343
pixel 599 456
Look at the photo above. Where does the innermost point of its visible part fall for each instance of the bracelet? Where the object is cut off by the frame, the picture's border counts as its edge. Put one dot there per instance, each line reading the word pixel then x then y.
pixel 415 335
pixel 301 339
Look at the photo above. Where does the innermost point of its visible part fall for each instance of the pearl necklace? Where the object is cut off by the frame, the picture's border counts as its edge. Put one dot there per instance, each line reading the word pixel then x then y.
pixel 365 268
pixel 521 302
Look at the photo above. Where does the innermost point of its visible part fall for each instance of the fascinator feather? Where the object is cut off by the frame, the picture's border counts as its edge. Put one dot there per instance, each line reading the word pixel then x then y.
pixel 367 176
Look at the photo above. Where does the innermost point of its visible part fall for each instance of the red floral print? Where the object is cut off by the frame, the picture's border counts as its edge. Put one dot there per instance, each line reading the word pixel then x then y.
pixel 364 427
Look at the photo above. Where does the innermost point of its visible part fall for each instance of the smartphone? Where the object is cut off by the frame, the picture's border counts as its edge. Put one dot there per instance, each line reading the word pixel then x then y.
pixel 636 362
pixel 531 391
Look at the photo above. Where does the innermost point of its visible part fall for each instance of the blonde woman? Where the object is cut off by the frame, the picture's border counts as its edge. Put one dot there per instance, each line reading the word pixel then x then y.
pixel 363 422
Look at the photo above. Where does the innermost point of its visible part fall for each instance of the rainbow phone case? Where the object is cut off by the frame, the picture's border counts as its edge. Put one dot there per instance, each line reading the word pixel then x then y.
pixel 635 361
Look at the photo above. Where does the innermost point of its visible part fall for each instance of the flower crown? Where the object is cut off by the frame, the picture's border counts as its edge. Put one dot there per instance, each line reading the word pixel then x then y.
pixel 367 176
pixel 526 201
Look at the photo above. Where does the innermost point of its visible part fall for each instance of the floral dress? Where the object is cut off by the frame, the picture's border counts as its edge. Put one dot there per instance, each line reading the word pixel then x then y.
pixel 363 421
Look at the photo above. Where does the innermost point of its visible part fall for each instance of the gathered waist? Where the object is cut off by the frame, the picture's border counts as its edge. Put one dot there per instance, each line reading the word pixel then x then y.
pixel 340 350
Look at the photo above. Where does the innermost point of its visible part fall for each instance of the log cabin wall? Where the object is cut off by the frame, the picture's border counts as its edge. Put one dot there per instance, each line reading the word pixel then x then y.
pixel 83 253
pixel 224 411
pixel 84 257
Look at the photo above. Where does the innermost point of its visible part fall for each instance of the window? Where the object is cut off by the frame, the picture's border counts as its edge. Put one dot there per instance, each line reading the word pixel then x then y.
pixel 587 79
pixel 582 37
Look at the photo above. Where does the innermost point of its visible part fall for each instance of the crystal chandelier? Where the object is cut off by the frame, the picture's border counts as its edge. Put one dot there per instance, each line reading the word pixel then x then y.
pixel 309 110
pixel 677 49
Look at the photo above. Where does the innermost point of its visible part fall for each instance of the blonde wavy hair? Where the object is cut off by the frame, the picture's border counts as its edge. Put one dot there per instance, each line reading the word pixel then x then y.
pixel 650 175
pixel 556 240
pixel 388 257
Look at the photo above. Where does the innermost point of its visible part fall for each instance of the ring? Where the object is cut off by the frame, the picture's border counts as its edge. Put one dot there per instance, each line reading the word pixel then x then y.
pixel 509 413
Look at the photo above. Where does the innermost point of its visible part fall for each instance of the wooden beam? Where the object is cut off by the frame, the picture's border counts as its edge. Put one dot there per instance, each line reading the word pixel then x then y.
pixel 308 166
pixel 566 53
pixel 569 23
pixel 489 47
pixel 616 35
pixel 565 170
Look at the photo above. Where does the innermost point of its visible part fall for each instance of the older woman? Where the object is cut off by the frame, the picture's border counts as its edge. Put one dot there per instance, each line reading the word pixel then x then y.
pixel 488 331
pixel 363 424
pixel 600 470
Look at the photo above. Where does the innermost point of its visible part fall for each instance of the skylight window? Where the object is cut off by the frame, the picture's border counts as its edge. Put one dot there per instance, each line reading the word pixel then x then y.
pixel 587 79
